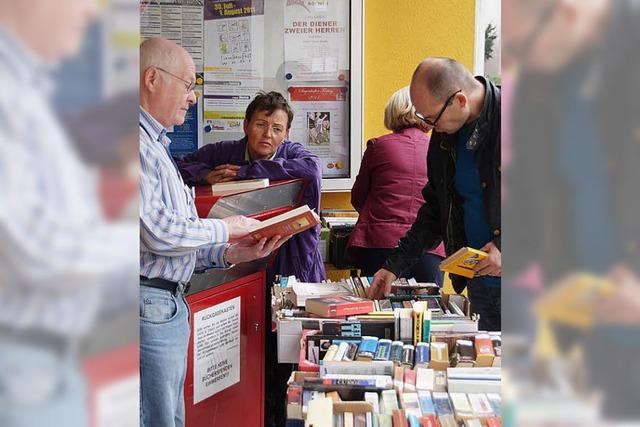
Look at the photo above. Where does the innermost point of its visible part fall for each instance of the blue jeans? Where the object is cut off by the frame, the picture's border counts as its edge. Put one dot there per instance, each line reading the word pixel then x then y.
pixel 164 338
pixel 426 270
pixel 40 387
pixel 486 301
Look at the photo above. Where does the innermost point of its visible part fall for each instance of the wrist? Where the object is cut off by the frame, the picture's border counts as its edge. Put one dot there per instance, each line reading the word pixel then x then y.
pixel 225 258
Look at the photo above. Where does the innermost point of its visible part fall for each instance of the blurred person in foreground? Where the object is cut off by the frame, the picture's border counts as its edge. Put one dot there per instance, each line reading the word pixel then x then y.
pixel 574 173
pixel 266 152
pixel 387 192
pixel 173 240
pixel 462 195
pixel 58 254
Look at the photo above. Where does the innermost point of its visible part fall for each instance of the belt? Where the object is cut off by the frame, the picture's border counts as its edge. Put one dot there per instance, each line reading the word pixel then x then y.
pixel 59 344
pixel 167 285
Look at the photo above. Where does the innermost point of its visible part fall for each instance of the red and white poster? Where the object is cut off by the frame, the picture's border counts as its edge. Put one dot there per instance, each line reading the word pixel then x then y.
pixel 320 124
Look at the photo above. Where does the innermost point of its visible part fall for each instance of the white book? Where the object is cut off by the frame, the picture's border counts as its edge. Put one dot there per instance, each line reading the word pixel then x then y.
pixel 320 412
pixel 424 379
pixel 444 325
pixel 348 419
pixel 381 381
pixel 473 386
pixel 369 419
pixel 385 420
pixel 240 185
pixel 480 405
pixel 342 350
pixel 389 402
pixel 372 398
pixel 301 291
pixel 461 405
pixel 410 404
pixel 406 325
pixel 485 373
pixel 376 367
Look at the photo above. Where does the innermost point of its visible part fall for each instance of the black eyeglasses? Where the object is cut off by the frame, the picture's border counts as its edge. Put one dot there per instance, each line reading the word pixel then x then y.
pixel 190 85
pixel 444 107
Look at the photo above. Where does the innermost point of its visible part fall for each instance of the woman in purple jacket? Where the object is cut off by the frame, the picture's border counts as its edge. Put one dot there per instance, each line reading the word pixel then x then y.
pixel 388 192
pixel 266 152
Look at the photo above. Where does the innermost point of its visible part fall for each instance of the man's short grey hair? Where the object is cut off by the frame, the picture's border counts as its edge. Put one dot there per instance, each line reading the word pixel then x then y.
pixel 444 76
pixel 158 53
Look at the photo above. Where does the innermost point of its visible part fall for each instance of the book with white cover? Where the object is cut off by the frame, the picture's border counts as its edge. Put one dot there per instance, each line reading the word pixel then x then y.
pixel 377 367
pixel 300 291
pixel 240 185
pixel 320 412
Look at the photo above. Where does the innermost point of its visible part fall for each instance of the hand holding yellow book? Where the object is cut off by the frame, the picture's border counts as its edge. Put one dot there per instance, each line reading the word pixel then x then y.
pixel 462 262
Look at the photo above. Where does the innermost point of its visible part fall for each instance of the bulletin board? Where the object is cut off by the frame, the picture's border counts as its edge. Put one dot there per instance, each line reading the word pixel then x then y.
pixel 308 50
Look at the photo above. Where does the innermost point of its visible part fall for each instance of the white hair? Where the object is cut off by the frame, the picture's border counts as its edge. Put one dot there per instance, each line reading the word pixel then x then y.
pixel 159 52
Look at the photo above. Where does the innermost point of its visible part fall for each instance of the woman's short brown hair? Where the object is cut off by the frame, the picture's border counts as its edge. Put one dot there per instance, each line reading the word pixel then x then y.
pixel 399 112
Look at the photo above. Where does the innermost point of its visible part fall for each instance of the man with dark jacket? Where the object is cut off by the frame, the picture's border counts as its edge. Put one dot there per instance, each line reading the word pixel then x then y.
pixel 573 177
pixel 462 196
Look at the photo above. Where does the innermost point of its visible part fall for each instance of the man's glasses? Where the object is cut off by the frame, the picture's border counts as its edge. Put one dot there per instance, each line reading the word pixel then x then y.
pixel 444 107
pixel 189 85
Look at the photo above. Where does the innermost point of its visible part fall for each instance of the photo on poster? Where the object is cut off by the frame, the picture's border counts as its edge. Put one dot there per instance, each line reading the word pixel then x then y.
pixel 319 125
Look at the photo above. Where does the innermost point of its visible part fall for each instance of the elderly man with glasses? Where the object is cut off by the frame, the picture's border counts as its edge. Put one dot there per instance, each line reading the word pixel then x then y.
pixel 462 196
pixel 173 240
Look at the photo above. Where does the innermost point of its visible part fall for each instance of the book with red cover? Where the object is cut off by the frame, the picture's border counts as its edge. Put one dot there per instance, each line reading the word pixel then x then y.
pixel 286 224
pixel 399 418
pixel 494 422
pixel 339 305
pixel 428 421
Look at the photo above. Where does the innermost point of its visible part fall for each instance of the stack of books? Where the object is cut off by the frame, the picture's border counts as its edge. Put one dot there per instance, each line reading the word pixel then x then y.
pixel 414 359
pixel 410 318
pixel 381 403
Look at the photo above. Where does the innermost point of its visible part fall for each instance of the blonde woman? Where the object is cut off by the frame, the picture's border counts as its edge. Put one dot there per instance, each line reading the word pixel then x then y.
pixel 387 192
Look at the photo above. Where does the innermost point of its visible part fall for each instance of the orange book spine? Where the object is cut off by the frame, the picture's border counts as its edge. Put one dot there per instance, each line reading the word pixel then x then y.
pixel 399 418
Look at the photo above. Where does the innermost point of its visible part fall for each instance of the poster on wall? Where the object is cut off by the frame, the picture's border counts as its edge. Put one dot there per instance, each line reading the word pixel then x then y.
pixel 316 40
pixel 233 61
pixel 216 349
pixel 320 125
pixel 187 137
pixel 180 21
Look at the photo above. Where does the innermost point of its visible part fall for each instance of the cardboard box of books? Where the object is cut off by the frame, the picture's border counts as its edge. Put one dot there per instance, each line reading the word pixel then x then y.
pixel 398 406
pixel 300 306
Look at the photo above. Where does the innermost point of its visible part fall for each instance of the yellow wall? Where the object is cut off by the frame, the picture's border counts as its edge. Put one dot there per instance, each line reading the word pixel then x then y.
pixel 398 34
